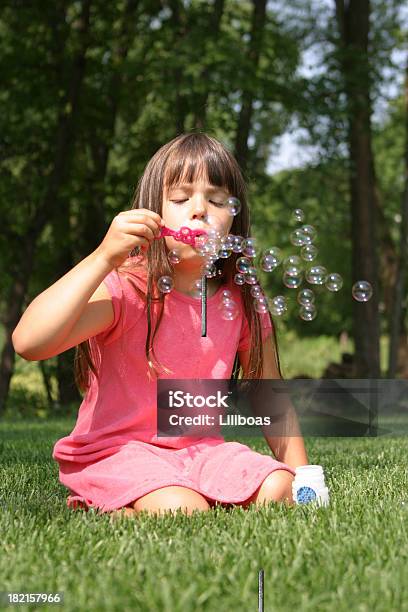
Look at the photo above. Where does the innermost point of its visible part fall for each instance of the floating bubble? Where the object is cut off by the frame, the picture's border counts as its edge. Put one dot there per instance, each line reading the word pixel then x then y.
pixel 215 225
pixel 297 237
pixel 290 281
pixel 309 233
pixel 308 252
pixel 278 305
pixel 196 289
pixel 243 264
pixel 233 205
pixel 174 257
pixel 256 291
pixel 292 265
pixel 305 297
pixel 224 253
pixel 334 282
pixel 268 263
pixel 308 312
pixel 362 291
pixel 226 294
pixel 225 303
pixel 200 241
pixel 249 247
pixel 261 305
pixel 227 241
pixel 239 279
pixel 251 276
pixel 270 259
pixel 237 244
pixel 165 284
pixel 298 216
pixel 209 270
pixel 230 311
pixel 316 275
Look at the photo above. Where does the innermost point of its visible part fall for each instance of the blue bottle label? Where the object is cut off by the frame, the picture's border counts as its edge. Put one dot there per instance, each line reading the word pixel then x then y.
pixel 305 495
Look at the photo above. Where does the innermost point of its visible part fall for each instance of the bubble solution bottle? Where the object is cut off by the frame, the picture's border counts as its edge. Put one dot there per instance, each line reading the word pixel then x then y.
pixel 309 485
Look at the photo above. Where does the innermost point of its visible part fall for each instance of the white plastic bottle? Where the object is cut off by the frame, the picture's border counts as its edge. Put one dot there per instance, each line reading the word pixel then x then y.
pixel 309 485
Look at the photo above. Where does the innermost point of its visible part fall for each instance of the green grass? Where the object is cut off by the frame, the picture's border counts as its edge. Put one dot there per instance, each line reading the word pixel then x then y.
pixel 352 555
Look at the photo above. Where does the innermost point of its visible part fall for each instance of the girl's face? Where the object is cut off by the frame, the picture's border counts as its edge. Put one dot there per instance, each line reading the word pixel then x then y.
pixel 197 205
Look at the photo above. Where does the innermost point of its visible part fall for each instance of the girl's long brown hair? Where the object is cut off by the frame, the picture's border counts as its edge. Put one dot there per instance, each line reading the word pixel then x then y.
pixel 184 158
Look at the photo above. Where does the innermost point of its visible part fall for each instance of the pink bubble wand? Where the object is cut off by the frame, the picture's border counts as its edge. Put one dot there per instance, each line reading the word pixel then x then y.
pixel 189 236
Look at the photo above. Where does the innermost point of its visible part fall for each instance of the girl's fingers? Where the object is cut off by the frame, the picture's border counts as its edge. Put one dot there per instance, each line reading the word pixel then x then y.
pixel 147 221
pixel 135 212
pixel 142 229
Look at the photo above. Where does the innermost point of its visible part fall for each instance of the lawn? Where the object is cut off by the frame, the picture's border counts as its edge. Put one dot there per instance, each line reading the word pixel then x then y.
pixel 352 555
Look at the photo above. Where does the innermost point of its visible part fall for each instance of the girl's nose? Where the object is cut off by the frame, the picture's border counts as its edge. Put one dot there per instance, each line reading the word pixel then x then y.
pixel 199 208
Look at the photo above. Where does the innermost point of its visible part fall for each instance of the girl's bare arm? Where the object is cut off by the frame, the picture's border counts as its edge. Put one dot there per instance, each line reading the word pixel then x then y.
pixel 49 319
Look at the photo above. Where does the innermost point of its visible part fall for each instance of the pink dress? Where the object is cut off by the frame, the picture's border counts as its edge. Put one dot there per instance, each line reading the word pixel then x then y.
pixel 113 455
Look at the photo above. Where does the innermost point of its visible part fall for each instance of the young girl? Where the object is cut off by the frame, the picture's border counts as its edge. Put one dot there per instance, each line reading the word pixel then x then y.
pixel 128 334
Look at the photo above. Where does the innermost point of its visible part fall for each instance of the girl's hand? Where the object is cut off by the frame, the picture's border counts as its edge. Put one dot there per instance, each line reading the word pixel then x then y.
pixel 129 229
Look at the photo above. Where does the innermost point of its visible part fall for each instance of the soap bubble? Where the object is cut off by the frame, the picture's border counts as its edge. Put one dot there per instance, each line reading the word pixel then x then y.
pixel 316 275
pixel 230 311
pixel 249 247
pixel 225 303
pixel 292 265
pixel 298 216
pixel 174 257
pixel 237 244
pixel 268 263
pixel 251 276
pixel 278 305
pixel 209 270
pixel 271 258
pixel 196 289
pixel 226 294
pixel 224 253
pixel 165 284
pixel 362 291
pixel 297 237
pixel 308 252
pixel 215 229
pixel 261 305
pixel 233 205
pixel 256 291
pixel 242 264
pixel 305 297
pixel 309 233
pixel 227 241
pixel 334 282
pixel 290 281
pixel 308 312
pixel 239 279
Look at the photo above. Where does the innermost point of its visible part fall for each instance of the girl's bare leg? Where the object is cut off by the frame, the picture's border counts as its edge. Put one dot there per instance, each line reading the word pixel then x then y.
pixel 277 487
pixel 171 498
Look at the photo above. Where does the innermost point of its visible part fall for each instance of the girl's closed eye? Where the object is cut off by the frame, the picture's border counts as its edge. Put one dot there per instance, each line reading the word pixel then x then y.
pixel 211 202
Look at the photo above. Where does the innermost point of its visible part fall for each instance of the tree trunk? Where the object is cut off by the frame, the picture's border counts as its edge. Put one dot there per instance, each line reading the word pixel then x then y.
pixel 397 331
pixel 200 102
pixel 248 94
pixel 23 266
pixel 353 21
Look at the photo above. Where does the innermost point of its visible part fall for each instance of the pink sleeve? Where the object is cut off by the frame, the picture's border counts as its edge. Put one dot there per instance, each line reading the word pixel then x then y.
pixel 127 305
pixel 245 338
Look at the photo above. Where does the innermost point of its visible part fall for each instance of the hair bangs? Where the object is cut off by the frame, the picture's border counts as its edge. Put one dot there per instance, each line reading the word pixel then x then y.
pixel 198 157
